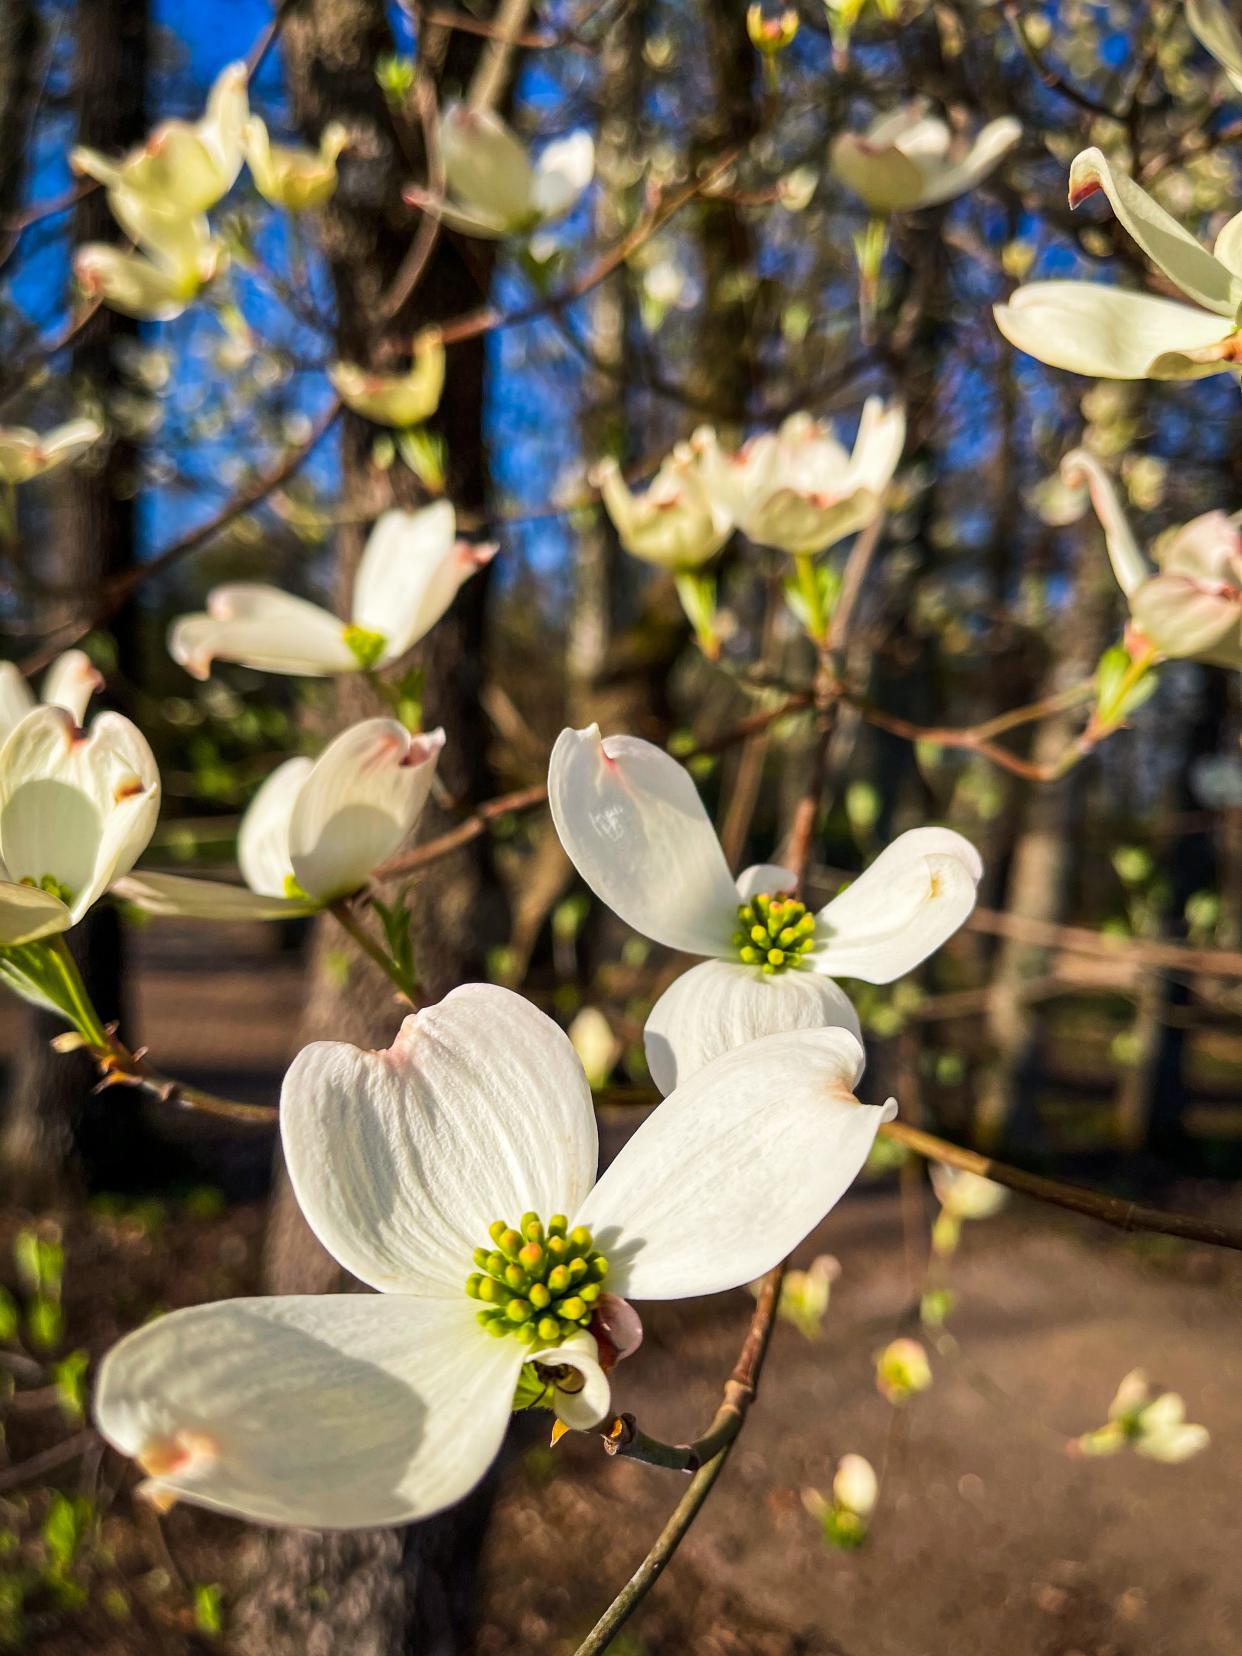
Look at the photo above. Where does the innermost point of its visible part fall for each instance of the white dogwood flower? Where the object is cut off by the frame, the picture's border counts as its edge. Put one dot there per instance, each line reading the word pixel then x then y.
pixel 904 160
pixel 494 189
pixel 291 175
pixel 404 399
pixel 69 682
pixel 315 830
pixel 178 257
pixel 677 521
pixel 798 489
pixel 184 167
pixel 455 1173
pixel 1214 28
pixel 77 809
pixel 1154 1426
pixel 409 574
pixel 1111 333
pixel 25 454
pixel 1191 606
pixel 633 824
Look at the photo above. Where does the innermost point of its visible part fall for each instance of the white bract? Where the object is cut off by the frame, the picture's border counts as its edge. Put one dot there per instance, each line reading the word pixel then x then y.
pixel 494 189
pixel 677 522
pixel 966 1195
pixel 25 454
pixel 633 824
pixel 290 175
pixel 315 830
pixel 184 167
pixel 405 399
pixel 798 489
pixel 178 256
pixel 69 682
pixel 1110 333
pixel 1192 605
pixel 77 809
pixel 408 576
pixel 412 1166
pixel 855 1486
pixel 904 161
pixel 1155 1426
pixel 1215 30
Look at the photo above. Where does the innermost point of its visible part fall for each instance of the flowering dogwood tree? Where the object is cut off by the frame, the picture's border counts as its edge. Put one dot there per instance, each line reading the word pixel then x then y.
pixel 353 275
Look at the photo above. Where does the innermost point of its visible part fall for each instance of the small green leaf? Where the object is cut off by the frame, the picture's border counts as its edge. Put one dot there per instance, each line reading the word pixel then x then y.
pixel 209 1609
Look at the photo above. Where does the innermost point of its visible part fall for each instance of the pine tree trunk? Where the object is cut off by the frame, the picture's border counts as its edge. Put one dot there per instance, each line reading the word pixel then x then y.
pixel 379 1592
pixel 50 1127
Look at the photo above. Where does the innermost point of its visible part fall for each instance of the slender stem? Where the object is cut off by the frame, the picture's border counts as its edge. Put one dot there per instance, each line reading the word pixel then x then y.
pixel 1096 1204
pixel 739 1393
pixel 349 922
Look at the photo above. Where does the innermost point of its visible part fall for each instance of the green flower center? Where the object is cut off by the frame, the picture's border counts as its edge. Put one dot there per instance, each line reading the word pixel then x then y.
pixel 774 931
pixel 53 887
pixel 366 645
pixel 539 1283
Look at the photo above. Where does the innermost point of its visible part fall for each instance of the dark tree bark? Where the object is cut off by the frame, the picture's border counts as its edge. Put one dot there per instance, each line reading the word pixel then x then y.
pixel 49 1128
pixel 385 1591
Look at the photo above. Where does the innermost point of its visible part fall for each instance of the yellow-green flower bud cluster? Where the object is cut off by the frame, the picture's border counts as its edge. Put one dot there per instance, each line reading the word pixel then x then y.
pixel 774 932
pixel 367 646
pixel 539 1283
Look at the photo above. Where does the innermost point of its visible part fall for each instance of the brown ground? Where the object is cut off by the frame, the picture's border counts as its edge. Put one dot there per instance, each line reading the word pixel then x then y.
pixel 989 1540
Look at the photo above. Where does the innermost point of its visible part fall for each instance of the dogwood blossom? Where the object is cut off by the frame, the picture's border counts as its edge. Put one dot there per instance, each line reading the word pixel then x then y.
pixel 797 488
pixel 178 257
pixel 77 809
pixel 405 399
pixel 632 822
pixel 292 176
pixel 904 161
pixel 1214 28
pixel 1153 1425
pixel 314 831
pixel 494 189
pixel 678 521
pixel 1192 606
pixel 184 167
pixel 409 574
pixel 1110 333
pixel 25 454
pixel 455 1173
pixel 69 682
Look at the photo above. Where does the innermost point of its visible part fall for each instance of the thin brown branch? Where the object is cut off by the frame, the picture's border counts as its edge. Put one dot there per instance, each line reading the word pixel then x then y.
pixel 1095 1204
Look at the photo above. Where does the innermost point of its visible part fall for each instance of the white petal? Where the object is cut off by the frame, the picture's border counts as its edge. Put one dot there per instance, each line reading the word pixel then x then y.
pixel 334 1411
pixel 993 143
pixel 1173 1444
pixel 914 896
pixel 261 627
pixel 563 171
pixel 189 899
pixel 26 913
pixel 70 682
pixel 633 824
pixel 263 853
pixel 1129 564
pixel 16 698
pixel 1187 264
pixel 402 1159
pixel 735 1167
pixel 79 807
pixel 410 573
pixel 1110 333
pixel 885 179
pixel 128 283
pixel 584 1402
pixel 486 168
pixel 721 1004
pixel 1228 245
pixel 764 877
pixel 1214 28
pixel 362 797
pixel 1185 619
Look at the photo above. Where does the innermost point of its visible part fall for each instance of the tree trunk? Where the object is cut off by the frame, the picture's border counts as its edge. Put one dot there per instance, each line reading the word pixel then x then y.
pixel 384 1591
pixel 49 1123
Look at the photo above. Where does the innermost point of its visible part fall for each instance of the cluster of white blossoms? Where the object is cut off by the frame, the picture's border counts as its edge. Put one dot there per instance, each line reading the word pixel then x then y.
pixel 797 489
